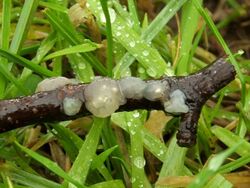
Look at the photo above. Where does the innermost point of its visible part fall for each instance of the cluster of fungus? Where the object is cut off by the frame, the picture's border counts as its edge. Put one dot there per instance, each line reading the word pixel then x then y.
pixel 104 95
pixel 61 98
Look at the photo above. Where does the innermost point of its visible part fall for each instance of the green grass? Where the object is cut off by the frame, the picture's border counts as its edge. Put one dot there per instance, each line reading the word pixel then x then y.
pixel 120 151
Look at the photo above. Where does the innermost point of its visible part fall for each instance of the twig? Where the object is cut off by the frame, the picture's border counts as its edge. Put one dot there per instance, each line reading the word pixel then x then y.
pixel 47 106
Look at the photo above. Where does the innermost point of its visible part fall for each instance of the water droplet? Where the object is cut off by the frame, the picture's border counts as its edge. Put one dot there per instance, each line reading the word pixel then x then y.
pixel 132 132
pixel 132 44
pixel 169 72
pixel 240 52
pixel 170 10
pixel 139 162
pixel 133 179
pixel 82 66
pixel 145 53
pixel 160 153
pixel 136 114
pixel 151 72
pixel 141 70
pixel 112 15
pixel 118 33
pixel 130 22
pixel 129 124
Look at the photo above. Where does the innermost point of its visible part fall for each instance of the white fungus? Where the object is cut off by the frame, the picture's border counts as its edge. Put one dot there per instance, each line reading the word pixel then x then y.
pixel 71 105
pixel 176 104
pixel 103 97
pixel 156 90
pixel 132 87
pixel 49 84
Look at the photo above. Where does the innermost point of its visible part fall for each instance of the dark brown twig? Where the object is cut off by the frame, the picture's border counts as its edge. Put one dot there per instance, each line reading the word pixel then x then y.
pixel 47 106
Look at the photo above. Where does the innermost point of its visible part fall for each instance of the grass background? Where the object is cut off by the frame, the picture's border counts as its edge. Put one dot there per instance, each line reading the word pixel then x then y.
pixel 147 39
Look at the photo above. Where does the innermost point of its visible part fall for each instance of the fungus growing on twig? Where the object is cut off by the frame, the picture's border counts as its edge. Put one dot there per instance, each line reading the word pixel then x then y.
pixel 184 96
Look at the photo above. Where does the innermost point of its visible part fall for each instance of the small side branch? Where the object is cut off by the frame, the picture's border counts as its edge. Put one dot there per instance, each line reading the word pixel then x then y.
pixel 48 106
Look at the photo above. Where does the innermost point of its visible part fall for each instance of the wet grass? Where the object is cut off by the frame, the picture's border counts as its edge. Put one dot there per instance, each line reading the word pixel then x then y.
pixel 41 39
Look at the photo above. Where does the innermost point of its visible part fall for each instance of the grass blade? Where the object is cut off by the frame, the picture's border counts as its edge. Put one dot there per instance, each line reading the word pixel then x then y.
pixel 81 165
pixel 26 63
pixel 87 47
pixel 49 164
pixel 27 14
pixel 109 56
pixel 4 39
pixel 230 139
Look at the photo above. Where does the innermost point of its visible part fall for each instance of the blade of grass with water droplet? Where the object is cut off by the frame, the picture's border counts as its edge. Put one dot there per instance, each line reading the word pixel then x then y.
pixel 109 184
pixel 150 32
pixel 188 31
pixel 81 48
pixel 81 165
pixel 173 164
pixel 151 142
pixel 135 122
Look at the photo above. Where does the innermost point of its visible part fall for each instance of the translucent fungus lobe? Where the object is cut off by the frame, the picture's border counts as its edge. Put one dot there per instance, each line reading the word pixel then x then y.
pixel 71 105
pixel 176 104
pixel 103 97
pixel 156 90
pixel 49 84
pixel 132 87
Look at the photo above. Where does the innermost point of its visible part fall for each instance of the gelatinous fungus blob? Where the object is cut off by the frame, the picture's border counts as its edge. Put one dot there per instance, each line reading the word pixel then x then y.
pixel 71 105
pixel 49 84
pixel 132 87
pixel 103 97
pixel 156 90
pixel 176 104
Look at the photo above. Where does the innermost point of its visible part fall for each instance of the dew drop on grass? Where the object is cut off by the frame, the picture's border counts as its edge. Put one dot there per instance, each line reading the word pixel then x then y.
pixel 145 53
pixel 82 66
pixel 136 114
pixel 129 124
pixel 118 33
pixel 139 162
pixel 151 72
pixel 161 152
pixel 132 44
pixel 141 70
pixel 132 132
pixel 133 179
pixel 112 15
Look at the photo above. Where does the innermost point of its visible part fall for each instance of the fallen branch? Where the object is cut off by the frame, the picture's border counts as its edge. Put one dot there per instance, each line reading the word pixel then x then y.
pixel 47 106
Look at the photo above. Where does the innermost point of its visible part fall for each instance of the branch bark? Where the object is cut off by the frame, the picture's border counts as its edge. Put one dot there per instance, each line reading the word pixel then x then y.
pixel 47 106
